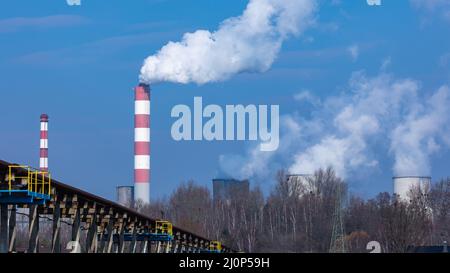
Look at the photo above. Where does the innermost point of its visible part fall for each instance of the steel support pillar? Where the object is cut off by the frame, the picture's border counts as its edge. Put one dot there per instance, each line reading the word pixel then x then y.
pixel 102 243
pixel 56 238
pixel 168 247
pixel 76 231
pixel 133 240
pixel 144 244
pixel 4 228
pixel 12 229
pixel 110 241
pixel 121 242
pixel 175 246
pixel 91 238
pixel 180 248
pixel 33 230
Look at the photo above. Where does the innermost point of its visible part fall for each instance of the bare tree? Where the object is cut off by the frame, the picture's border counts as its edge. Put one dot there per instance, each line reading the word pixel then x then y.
pixel 439 199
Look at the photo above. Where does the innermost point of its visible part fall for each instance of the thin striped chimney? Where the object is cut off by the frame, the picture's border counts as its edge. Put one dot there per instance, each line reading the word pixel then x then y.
pixel 142 143
pixel 43 155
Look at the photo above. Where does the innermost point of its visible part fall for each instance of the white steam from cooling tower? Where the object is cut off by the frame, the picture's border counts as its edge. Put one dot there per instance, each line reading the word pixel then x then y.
pixel 425 131
pixel 247 43
pixel 376 117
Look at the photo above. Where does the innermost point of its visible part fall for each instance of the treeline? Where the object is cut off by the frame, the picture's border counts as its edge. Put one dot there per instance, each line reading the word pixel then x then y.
pixel 300 218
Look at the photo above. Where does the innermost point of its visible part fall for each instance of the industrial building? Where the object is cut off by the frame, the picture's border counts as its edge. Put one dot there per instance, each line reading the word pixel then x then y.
pixel 229 189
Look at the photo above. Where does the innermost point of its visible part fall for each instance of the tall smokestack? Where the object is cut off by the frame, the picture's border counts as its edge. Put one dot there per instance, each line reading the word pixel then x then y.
pixel 43 154
pixel 142 143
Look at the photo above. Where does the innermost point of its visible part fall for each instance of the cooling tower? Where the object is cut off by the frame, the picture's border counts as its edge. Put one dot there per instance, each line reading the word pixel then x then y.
pixel 230 189
pixel 404 184
pixel 125 196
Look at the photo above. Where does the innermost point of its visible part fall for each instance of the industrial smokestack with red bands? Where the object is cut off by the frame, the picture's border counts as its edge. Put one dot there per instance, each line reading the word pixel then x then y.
pixel 43 154
pixel 142 144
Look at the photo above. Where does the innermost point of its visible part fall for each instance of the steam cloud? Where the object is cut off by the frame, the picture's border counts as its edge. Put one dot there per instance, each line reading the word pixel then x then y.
pixel 378 116
pixel 247 43
pixel 421 134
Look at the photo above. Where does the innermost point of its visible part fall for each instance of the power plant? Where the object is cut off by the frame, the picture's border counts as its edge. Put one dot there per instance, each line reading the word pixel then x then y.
pixel 27 193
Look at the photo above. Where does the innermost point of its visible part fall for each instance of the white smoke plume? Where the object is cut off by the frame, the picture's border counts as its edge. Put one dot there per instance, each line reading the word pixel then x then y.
pixel 247 43
pixel 257 164
pixel 376 118
pixel 421 134
pixel 367 113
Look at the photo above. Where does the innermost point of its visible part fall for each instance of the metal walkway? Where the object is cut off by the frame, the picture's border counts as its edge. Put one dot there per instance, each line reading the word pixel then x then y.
pixel 110 226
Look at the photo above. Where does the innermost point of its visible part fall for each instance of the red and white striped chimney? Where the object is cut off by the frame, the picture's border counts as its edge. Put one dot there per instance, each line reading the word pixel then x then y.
pixel 43 154
pixel 142 143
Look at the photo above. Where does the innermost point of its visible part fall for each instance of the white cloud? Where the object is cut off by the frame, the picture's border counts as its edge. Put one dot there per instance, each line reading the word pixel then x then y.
pixel 247 43
pixel 339 153
pixel 255 163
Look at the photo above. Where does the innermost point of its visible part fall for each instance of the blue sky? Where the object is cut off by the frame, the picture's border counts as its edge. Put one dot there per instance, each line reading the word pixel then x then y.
pixel 80 63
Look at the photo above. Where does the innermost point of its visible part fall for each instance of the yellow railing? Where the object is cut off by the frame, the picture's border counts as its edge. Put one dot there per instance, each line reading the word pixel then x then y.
pixel 12 175
pixel 215 246
pixel 33 179
pixel 163 227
